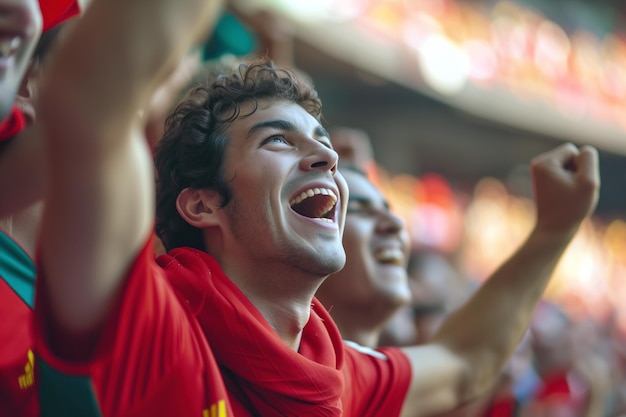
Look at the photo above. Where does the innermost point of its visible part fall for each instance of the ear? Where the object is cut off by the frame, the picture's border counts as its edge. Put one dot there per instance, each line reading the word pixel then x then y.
pixel 199 207
pixel 27 92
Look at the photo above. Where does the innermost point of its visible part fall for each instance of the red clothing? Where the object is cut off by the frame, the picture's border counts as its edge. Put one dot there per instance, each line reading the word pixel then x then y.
pixel 502 406
pixel 562 394
pixel 57 11
pixel 375 387
pixel 18 395
pixel 17 277
pixel 151 358
pixel 156 355
pixel 12 125
pixel 262 373
pixel 17 390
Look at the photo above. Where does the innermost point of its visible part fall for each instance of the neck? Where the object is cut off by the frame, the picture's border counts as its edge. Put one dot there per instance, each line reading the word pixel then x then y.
pixel 282 295
pixel 287 319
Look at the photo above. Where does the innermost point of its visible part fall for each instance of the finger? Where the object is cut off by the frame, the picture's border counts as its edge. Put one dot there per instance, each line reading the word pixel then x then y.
pixel 562 155
pixel 588 164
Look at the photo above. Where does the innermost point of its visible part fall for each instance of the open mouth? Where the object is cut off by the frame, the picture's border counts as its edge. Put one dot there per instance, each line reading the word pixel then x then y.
pixel 8 46
pixel 391 256
pixel 316 203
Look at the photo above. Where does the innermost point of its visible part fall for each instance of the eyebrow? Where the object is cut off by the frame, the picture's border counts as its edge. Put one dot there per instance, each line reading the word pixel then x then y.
pixel 279 124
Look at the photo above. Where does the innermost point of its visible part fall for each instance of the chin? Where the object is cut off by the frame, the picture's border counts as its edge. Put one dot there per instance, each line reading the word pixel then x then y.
pixel 329 266
pixel 331 260
pixel 319 264
pixel 396 300
pixel 398 294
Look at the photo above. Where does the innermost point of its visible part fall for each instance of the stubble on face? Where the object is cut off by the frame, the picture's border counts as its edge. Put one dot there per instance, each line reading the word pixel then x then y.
pixel 285 252
pixel 258 219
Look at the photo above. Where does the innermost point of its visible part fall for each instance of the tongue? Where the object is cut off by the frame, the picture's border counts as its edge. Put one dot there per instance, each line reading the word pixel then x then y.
pixel 314 207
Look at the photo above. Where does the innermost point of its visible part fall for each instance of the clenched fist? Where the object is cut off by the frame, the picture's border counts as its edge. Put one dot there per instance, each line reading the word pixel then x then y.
pixel 566 182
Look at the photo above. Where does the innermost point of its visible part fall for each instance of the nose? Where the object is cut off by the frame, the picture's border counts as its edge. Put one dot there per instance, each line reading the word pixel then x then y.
pixel 388 223
pixel 320 158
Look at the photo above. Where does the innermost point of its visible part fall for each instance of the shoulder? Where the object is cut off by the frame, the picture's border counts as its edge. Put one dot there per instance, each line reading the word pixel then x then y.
pixel 190 273
pixel 187 261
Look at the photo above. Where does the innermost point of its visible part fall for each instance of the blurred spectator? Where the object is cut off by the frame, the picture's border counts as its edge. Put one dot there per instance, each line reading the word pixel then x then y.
pixel 573 382
pixel 436 289
pixel 353 146
pixel 372 286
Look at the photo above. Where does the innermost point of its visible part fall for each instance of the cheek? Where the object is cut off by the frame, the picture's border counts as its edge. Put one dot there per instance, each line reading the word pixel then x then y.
pixel 406 240
pixel 355 238
pixel 358 255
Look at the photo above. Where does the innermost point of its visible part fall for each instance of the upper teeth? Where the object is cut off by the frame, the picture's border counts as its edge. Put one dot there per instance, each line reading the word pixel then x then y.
pixel 390 255
pixel 7 45
pixel 311 192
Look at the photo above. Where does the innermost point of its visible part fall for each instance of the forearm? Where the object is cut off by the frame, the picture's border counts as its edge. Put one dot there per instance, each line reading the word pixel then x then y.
pixel 485 331
pixel 465 357
pixel 106 79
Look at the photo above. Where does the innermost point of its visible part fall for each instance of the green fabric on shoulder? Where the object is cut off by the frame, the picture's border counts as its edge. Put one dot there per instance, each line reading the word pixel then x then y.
pixel 17 269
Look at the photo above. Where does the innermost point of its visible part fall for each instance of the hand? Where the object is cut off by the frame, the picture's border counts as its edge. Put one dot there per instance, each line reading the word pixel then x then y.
pixel 566 182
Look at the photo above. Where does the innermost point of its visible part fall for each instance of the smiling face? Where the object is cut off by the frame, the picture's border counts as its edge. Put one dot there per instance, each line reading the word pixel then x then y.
pixel 20 27
pixel 287 205
pixel 376 245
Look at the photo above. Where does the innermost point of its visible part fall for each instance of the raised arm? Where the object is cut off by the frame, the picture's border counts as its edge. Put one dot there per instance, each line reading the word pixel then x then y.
pixel 467 354
pixel 99 203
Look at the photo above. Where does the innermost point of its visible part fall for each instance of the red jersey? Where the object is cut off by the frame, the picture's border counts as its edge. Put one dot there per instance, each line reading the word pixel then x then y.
pixel 158 354
pixel 17 285
pixel 263 375
pixel 152 358
pixel 378 381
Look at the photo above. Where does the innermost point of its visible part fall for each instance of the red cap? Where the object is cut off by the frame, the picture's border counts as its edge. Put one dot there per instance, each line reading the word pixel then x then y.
pixel 57 11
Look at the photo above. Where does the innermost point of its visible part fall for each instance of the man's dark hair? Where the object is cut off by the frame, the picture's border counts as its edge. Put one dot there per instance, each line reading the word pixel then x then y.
pixel 46 43
pixel 191 152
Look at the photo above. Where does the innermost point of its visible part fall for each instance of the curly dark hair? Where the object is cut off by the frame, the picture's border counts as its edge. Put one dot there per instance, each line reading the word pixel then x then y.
pixel 191 152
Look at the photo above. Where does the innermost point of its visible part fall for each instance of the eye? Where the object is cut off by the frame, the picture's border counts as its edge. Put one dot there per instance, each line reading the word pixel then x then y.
pixel 359 207
pixel 275 139
pixel 366 207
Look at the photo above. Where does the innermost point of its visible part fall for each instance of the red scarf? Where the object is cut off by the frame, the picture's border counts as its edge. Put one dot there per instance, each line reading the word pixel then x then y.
pixel 12 125
pixel 263 375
